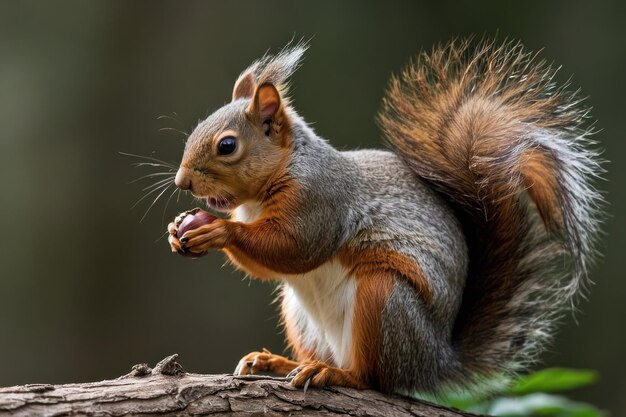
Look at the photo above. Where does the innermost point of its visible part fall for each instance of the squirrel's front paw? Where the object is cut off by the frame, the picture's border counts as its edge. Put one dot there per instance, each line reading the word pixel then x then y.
pixel 214 235
pixel 189 225
pixel 172 230
pixel 172 237
pixel 265 361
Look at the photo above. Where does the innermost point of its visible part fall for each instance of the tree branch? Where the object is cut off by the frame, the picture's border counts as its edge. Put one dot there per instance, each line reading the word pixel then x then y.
pixel 166 389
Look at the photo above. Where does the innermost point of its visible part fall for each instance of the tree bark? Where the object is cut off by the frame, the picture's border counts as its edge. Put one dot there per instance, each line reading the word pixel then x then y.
pixel 166 389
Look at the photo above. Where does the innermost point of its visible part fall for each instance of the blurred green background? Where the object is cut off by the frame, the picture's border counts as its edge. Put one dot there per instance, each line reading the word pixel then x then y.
pixel 87 290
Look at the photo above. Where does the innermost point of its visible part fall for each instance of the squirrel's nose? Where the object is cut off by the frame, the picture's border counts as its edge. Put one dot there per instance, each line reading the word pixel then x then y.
pixel 183 178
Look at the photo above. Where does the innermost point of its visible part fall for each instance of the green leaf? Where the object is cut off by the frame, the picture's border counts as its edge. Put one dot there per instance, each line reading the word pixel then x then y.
pixel 456 399
pixel 539 404
pixel 463 399
pixel 552 379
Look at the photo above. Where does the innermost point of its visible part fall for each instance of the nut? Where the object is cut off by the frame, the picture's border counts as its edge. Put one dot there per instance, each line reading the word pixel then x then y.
pixel 191 220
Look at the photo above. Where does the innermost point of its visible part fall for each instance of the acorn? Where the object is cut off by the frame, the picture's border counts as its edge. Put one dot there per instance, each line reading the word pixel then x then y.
pixel 191 220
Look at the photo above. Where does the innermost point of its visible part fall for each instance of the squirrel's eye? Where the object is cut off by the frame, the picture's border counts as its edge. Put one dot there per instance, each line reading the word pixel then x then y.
pixel 227 145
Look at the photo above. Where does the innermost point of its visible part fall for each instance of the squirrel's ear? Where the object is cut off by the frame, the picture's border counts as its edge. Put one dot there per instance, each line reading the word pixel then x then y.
pixel 244 86
pixel 267 110
pixel 266 102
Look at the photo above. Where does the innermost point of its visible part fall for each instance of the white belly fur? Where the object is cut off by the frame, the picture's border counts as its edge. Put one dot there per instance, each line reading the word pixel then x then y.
pixel 321 302
pixel 247 213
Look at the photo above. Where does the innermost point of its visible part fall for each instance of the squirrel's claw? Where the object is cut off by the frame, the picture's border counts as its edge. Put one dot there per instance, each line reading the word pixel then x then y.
pixel 291 375
pixel 306 385
pixel 242 368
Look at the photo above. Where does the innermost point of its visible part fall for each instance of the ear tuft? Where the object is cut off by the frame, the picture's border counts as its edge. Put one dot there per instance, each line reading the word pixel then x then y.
pixel 278 68
pixel 245 85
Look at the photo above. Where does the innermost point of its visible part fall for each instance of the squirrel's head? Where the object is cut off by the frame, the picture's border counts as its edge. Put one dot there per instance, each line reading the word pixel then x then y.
pixel 232 156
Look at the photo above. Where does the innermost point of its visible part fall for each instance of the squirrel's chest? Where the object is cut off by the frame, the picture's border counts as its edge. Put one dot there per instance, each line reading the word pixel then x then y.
pixel 320 304
pixel 247 213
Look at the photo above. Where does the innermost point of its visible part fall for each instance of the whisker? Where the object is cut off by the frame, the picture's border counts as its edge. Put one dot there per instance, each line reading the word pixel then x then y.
pixel 153 164
pixel 155 200
pixel 162 236
pixel 169 179
pixel 165 175
pixel 164 116
pixel 171 129
pixel 156 174
pixel 167 203
pixel 149 193
pixel 150 158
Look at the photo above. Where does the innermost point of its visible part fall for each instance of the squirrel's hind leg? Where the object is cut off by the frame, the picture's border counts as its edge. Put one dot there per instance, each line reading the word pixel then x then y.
pixel 373 290
pixel 394 343
pixel 265 361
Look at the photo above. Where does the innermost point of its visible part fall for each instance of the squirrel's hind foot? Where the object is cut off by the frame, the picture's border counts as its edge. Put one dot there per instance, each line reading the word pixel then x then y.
pixel 319 374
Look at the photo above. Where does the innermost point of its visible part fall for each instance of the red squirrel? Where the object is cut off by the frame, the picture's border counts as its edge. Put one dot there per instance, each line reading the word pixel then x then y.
pixel 446 258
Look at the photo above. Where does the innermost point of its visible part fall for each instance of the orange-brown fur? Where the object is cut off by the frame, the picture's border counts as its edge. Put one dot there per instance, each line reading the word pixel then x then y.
pixel 542 186
pixel 251 267
pixel 373 290
pixel 371 261
pixel 376 270
pixel 269 241
pixel 266 361
pixel 320 374
pixel 276 209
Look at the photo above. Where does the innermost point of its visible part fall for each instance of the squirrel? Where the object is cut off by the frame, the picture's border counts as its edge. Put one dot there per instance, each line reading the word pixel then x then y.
pixel 442 261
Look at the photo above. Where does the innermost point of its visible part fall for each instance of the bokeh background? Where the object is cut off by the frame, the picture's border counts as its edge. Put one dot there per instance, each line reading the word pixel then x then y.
pixel 87 289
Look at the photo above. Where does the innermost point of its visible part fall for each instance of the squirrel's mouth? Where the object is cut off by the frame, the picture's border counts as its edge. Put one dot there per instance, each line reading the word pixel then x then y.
pixel 221 203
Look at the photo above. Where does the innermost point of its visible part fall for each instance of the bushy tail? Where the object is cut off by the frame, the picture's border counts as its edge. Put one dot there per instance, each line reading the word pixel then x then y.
pixel 489 129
